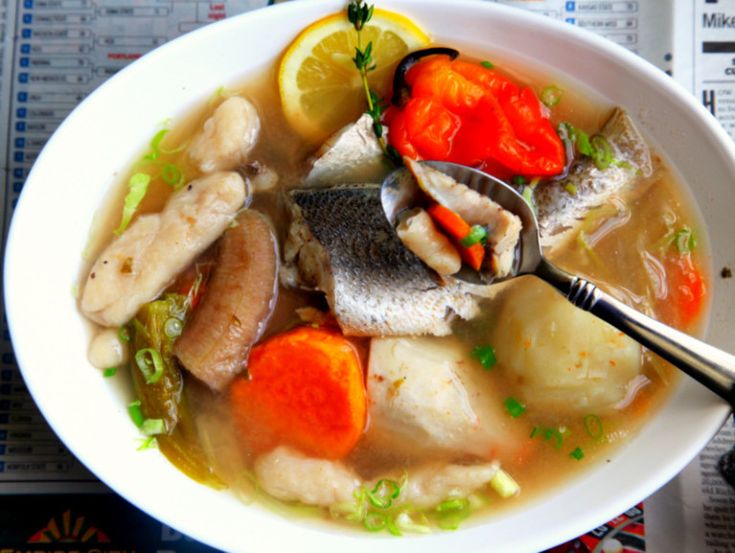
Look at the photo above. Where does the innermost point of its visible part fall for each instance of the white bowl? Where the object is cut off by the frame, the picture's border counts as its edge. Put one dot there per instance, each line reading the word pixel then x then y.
pixel 101 137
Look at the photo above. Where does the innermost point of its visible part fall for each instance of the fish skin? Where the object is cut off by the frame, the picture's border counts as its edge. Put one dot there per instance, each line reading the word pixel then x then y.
pixel 358 259
pixel 560 213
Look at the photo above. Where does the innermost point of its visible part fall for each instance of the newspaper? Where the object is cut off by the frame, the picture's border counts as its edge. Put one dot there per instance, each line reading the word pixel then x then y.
pixel 53 53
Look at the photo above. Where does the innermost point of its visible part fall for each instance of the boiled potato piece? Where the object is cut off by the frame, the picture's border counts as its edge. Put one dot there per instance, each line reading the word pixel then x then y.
pixel 561 358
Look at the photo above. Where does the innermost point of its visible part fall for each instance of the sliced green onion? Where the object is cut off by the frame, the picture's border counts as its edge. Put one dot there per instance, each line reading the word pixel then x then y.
pixel 383 494
pixel 602 153
pixel 123 333
pixel 136 414
pixel 172 175
pixel 173 327
pixel 150 363
pixel 485 355
pixel 593 426
pixel 572 189
pixel 504 484
pixel 137 188
pixel 556 434
pixel 152 427
pixel 147 443
pixel 684 240
pixel 405 521
pixel 514 407
pixel 528 196
pixel 518 180
pixel 550 96
pixel 107 373
pixel 577 454
pixel 452 512
pixel 155 145
pixel 536 430
pixel 375 521
pixel 476 234
pixel 486 64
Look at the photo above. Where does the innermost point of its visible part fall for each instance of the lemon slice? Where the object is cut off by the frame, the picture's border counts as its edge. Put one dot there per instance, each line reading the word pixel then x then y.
pixel 320 87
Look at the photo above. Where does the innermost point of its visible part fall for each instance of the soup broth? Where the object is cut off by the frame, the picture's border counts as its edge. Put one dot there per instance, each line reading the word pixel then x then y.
pixel 629 246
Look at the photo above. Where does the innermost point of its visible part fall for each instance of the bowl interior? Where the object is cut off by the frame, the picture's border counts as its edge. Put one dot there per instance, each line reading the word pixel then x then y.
pixel 82 160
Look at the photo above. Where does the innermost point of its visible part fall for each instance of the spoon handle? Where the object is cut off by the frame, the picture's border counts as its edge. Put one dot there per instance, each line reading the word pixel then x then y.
pixel 707 364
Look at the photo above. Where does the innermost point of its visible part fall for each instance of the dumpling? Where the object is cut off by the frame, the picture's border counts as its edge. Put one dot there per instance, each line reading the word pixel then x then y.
pixel 429 395
pixel 559 357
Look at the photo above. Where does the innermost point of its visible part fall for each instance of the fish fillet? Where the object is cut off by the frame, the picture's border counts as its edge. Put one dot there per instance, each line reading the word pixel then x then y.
pixel 342 244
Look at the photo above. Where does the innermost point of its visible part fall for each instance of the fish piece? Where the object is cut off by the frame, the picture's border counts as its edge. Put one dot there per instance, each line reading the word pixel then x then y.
pixel 341 243
pixel 289 475
pixel 352 155
pixel 227 137
pixel 429 396
pixel 417 231
pixel 503 227
pixel 561 212
pixel 239 300
pixel 262 177
pixel 138 265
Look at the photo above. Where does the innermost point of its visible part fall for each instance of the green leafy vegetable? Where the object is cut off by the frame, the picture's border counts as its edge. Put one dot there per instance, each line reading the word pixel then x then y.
pixel 514 407
pixel 137 188
pixel 477 234
pixel 485 355
pixel 550 96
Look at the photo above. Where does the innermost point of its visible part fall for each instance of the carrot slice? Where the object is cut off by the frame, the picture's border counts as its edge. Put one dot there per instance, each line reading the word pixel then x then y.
pixel 457 229
pixel 306 390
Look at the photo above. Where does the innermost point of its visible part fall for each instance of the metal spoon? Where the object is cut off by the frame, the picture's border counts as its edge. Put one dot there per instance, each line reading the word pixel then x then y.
pixel 710 366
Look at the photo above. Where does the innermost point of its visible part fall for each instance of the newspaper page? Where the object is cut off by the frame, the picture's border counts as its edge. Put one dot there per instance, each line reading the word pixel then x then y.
pixel 53 53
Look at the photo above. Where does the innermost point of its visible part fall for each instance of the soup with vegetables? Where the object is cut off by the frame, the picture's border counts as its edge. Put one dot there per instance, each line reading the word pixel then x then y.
pixel 286 341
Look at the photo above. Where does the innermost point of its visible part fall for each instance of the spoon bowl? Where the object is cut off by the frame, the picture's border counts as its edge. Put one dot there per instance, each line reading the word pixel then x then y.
pixel 708 365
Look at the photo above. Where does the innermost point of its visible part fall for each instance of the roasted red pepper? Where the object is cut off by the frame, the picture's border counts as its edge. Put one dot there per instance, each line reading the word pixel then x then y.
pixel 463 112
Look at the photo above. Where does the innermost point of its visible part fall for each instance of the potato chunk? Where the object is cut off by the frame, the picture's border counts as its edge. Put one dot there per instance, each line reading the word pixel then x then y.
pixel 137 266
pixel 562 359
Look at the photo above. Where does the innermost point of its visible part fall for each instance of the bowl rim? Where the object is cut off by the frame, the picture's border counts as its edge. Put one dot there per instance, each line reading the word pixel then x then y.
pixel 13 307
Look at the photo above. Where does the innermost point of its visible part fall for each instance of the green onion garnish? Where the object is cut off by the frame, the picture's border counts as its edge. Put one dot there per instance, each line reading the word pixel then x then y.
pixel 136 414
pixel 383 494
pixel 550 96
pixel 405 521
pixel 152 427
pixel 137 188
pixel 486 64
pixel 593 426
pixel 518 180
pixel 602 152
pixel 147 443
pixel 528 196
pixel 556 434
pixel 485 355
pixel 577 454
pixel 150 363
pixel 476 234
pixel 123 333
pixel 107 373
pixel 684 240
pixel 173 327
pixel 375 521
pixel 535 431
pixel 570 188
pixel 155 145
pixel 452 512
pixel 172 175
pixel 514 407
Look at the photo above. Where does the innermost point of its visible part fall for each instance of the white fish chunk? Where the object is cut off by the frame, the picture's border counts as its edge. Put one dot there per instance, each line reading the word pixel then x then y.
pixel 227 137
pixel 417 231
pixel 428 395
pixel 352 155
pixel 137 266
pixel 289 475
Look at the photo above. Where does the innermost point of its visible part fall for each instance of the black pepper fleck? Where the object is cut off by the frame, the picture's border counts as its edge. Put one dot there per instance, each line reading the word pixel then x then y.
pixel 726 272
pixel 92 275
pixel 188 187
pixel 104 262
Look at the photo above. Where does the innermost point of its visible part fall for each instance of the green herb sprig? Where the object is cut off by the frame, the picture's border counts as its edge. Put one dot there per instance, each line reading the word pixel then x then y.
pixel 359 13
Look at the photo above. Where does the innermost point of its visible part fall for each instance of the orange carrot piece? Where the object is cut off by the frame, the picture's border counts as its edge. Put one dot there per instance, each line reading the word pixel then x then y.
pixel 457 229
pixel 306 390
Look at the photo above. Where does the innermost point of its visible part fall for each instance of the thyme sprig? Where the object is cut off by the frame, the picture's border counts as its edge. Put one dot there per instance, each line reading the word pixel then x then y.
pixel 359 13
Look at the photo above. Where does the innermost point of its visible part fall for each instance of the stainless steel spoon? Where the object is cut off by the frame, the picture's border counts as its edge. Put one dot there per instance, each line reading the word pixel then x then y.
pixel 710 366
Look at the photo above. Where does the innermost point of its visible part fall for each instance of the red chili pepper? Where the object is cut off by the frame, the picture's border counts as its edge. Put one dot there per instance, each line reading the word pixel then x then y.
pixel 463 112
